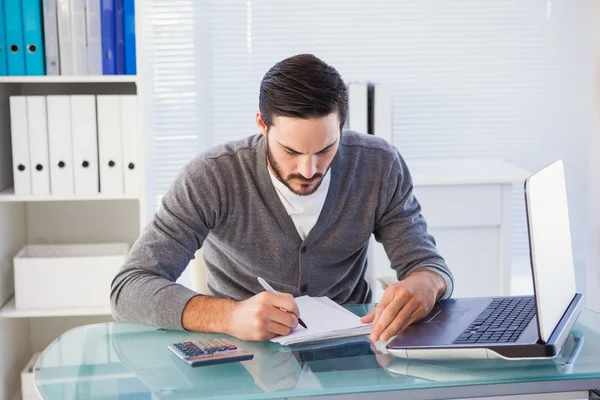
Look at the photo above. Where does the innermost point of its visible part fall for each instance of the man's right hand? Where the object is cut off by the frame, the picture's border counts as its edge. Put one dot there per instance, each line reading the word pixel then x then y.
pixel 260 318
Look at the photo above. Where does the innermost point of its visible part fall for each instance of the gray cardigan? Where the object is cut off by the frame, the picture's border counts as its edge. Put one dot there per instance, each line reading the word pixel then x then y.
pixel 224 201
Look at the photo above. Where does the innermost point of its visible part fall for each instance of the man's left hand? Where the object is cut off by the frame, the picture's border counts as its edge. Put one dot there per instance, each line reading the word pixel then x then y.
pixel 404 303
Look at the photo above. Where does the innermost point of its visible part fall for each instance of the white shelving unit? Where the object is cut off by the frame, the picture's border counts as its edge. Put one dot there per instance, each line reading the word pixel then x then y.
pixel 9 311
pixel 52 220
pixel 8 196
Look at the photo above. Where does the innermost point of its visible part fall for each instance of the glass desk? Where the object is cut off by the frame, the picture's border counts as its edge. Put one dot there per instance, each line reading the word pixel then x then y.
pixel 128 361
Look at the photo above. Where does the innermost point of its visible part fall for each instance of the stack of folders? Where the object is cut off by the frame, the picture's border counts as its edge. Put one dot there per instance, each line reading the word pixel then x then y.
pixel 325 320
pixel 59 149
pixel 67 37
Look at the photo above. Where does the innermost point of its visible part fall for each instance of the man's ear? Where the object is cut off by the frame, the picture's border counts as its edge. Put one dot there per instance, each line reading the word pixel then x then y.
pixel 261 124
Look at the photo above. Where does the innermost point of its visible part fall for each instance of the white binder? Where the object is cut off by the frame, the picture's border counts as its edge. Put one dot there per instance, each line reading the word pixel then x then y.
pixel 94 37
pixel 131 143
pixel 85 144
pixel 60 144
pixel 38 145
pixel 65 34
pixel 20 145
pixel 109 144
pixel 382 110
pixel 78 38
pixel 358 107
pixel 51 37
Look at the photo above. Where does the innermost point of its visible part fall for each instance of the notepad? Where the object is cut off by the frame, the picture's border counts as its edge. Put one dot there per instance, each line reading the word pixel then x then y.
pixel 325 319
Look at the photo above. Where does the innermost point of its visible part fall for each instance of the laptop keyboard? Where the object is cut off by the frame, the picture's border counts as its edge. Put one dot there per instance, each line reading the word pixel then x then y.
pixel 502 321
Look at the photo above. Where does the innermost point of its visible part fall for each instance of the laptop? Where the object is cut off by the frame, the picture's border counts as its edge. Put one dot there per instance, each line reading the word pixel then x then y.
pixel 513 327
pixel 483 370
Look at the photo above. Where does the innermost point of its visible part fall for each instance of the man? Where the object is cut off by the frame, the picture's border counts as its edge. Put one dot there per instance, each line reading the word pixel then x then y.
pixel 295 205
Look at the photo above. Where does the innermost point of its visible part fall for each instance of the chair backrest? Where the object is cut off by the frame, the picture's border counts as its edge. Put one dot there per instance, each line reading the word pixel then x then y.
pixel 198 271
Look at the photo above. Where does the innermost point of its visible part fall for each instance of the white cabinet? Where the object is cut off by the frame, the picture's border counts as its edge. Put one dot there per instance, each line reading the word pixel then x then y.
pixel 467 205
pixel 51 219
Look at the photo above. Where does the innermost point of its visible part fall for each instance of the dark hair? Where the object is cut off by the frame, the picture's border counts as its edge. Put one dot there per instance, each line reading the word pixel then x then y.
pixel 302 86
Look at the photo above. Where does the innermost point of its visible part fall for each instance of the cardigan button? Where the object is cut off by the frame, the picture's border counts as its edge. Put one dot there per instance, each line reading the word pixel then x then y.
pixel 303 249
pixel 304 288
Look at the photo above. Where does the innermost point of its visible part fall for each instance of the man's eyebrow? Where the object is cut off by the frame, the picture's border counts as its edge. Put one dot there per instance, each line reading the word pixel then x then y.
pixel 320 151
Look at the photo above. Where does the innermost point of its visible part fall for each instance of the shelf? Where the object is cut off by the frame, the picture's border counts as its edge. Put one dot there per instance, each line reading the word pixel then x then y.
pixel 9 311
pixel 69 79
pixel 8 196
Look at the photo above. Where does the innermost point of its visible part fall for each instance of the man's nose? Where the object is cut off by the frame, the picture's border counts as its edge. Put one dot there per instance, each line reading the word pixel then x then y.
pixel 308 167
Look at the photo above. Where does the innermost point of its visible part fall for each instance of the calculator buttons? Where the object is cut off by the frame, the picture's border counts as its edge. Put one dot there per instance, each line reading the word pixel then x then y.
pixel 209 352
pixel 209 346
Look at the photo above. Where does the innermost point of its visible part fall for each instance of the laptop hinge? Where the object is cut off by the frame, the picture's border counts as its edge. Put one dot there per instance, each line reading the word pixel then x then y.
pixel 566 323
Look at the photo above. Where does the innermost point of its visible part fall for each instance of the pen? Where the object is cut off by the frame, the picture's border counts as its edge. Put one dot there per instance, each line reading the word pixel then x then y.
pixel 268 287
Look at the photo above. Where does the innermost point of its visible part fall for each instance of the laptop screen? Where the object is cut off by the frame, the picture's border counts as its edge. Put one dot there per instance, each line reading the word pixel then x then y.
pixel 550 245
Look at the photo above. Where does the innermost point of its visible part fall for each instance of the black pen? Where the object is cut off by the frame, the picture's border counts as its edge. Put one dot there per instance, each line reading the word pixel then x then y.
pixel 268 287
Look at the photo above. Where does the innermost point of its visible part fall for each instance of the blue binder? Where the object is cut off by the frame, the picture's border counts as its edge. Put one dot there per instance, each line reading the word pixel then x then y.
pixel 107 22
pixel 32 37
pixel 129 18
pixel 119 38
pixel 3 70
pixel 15 60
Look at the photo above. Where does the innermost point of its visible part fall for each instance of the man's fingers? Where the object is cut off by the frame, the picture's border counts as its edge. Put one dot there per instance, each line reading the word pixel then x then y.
pixel 285 301
pixel 386 299
pixel 284 318
pixel 368 318
pixel 401 321
pixel 388 315
pixel 415 316
pixel 375 333
pixel 277 328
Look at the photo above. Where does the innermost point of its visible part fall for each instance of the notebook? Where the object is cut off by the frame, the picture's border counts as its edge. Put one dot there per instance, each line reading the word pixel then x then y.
pixel 325 319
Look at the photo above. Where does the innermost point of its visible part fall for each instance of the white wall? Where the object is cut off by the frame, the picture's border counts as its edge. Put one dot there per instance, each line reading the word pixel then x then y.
pixel 593 289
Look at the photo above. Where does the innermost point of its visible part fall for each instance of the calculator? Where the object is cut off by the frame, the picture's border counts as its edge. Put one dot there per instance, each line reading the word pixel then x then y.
pixel 209 352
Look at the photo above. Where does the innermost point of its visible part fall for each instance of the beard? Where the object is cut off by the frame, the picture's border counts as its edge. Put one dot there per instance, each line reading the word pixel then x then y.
pixel 304 183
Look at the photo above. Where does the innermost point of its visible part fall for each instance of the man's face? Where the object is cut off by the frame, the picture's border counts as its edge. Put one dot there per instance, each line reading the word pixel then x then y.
pixel 300 151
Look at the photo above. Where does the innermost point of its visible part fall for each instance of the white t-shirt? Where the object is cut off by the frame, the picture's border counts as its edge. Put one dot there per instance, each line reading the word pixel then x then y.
pixel 304 210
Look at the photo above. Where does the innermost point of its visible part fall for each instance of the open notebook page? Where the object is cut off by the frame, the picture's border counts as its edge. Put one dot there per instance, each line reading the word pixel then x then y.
pixel 325 319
